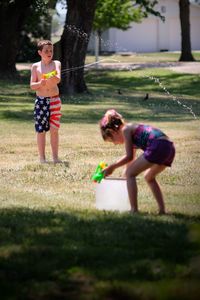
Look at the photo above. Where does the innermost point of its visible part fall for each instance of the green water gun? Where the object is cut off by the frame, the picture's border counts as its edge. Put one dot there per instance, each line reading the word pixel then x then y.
pixel 98 174
pixel 49 75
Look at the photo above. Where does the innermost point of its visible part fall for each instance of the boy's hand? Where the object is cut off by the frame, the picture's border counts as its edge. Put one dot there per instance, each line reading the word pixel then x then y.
pixel 43 82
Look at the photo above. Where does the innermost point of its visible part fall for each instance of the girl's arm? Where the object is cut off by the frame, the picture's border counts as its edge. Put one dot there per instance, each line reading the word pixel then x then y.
pixel 130 162
pixel 130 152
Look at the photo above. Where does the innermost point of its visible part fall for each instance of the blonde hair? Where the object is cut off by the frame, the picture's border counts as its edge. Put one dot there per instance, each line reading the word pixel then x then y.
pixel 111 121
pixel 43 43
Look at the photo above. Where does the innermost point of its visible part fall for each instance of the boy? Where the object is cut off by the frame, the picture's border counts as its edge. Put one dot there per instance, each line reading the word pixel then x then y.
pixel 47 104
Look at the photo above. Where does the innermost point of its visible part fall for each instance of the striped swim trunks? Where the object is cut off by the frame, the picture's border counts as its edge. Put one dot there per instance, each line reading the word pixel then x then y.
pixel 47 113
pixel 55 112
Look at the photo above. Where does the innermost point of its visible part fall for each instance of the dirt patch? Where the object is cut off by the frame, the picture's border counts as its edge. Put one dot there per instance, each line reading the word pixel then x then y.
pixel 187 67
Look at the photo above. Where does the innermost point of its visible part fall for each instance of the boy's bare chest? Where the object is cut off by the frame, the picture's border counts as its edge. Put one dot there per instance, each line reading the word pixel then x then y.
pixel 44 69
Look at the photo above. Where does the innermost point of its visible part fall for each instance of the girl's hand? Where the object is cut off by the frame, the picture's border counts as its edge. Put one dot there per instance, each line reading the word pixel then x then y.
pixel 108 171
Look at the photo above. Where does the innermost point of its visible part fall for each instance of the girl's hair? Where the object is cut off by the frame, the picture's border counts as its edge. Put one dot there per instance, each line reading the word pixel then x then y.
pixel 43 43
pixel 110 122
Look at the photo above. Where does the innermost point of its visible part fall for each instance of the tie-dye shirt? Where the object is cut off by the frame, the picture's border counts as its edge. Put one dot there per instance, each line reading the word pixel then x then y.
pixel 144 134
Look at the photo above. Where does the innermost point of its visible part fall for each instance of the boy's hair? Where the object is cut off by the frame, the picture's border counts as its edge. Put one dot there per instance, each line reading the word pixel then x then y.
pixel 43 43
pixel 110 122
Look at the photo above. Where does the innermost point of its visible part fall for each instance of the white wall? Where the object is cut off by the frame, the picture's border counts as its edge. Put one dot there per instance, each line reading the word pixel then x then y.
pixel 152 34
pixel 136 38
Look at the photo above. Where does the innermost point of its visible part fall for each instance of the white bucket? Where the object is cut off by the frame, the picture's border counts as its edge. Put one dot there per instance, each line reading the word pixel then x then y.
pixel 112 194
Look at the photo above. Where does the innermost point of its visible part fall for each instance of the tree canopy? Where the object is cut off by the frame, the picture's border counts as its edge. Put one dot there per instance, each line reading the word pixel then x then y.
pixel 29 19
pixel 120 13
pixel 21 22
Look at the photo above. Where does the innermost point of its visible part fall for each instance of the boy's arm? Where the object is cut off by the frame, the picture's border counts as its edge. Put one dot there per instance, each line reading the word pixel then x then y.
pixel 34 83
pixel 58 70
pixel 56 78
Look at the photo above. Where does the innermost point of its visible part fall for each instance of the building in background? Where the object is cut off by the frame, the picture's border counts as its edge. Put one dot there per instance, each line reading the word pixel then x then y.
pixel 152 34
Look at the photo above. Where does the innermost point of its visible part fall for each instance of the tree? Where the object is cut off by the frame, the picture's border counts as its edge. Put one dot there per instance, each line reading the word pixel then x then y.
pixel 12 18
pixel 81 18
pixel 18 18
pixel 38 26
pixel 119 14
pixel 74 42
pixel 186 52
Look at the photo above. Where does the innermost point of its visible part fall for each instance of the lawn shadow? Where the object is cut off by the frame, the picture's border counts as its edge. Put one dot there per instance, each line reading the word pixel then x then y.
pixel 105 87
pixel 133 109
pixel 51 255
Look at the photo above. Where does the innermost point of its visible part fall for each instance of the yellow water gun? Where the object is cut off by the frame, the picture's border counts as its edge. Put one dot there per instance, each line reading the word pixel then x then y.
pixel 98 174
pixel 49 75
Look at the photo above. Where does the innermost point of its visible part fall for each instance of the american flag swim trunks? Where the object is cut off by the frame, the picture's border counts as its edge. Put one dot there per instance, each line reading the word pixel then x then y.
pixel 55 112
pixel 47 113
pixel 42 114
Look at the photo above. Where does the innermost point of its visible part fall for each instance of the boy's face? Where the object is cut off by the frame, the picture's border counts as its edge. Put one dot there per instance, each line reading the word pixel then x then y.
pixel 46 53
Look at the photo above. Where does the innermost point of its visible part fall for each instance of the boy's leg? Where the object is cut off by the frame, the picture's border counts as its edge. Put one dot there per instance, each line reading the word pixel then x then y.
pixel 54 138
pixel 135 168
pixel 41 140
pixel 55 115
pixel 150 177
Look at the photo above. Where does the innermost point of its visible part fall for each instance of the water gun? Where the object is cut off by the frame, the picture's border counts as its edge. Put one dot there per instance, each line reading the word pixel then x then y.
pixel 49 75
pixel 98 174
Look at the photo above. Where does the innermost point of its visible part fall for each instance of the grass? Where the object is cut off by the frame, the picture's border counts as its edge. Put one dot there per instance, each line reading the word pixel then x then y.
pixel 54 244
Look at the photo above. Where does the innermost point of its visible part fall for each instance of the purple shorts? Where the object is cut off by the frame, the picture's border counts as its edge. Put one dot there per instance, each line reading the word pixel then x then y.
pixel 160 151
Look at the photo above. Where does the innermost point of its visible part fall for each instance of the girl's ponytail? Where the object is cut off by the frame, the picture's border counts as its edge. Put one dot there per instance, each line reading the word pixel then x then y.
pixel 111 121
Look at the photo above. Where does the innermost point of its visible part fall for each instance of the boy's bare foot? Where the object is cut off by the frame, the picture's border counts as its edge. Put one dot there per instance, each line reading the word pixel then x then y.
pixel 57 161
pixel 162 212
pixel 133 211
pixel 43 161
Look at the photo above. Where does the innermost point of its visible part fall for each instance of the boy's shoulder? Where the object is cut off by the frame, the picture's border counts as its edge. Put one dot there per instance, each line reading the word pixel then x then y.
pixel 36 64
pixel 57 62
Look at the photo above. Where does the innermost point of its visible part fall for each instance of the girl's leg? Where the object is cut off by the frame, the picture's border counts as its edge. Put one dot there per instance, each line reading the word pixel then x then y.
pixel 135 168
pixel 41 140
pixel 54 139
pixel 154 186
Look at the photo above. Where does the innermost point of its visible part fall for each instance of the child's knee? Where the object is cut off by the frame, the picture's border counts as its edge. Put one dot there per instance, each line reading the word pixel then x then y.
pixel 149 178
pixel 130 173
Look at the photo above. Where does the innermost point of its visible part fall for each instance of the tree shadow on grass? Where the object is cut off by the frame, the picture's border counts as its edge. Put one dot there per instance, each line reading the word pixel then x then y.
pixel 105 85
pixel 132 109
pixel 19 116
pixel 146 80
pixel 51 255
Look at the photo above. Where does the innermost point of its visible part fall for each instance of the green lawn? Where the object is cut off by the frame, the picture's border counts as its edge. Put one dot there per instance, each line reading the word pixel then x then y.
pixel 54 244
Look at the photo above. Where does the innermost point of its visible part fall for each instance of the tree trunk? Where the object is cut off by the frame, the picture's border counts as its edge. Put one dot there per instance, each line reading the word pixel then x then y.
pixel 12 18
pixel 74 42
pixel 186 52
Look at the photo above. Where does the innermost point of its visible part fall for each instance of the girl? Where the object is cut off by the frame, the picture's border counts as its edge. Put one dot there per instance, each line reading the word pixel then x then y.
pixel 158 154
